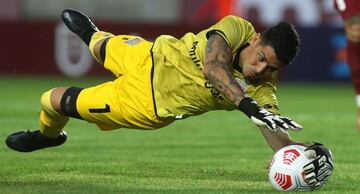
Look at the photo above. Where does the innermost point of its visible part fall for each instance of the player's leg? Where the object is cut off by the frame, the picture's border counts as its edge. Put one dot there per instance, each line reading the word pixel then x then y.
pixel 352 29
pixel 98 44
pixel 51 122
pixel 82 26
pixel 79 24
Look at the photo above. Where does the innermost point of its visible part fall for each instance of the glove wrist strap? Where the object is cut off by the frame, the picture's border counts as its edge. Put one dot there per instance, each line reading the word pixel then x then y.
pixel 248 106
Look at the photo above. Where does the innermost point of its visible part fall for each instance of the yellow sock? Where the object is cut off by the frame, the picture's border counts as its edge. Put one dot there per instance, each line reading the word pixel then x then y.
pixel 51 122
pixel 96 37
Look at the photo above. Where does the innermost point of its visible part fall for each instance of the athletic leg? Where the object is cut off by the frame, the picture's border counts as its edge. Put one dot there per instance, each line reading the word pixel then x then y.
pixel 81 25
pixel 51 122
pixel 98 44
pixel 352 29
pixel 60 103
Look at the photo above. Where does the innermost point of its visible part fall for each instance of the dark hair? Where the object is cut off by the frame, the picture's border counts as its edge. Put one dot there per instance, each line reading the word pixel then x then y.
pixel 285 41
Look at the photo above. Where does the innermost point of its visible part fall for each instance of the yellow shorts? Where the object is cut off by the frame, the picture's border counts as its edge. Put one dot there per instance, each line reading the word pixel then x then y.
pixel 127 101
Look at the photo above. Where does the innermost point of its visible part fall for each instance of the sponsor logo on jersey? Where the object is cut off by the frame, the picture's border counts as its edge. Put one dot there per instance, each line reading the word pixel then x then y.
pixel 193 56
pixel 133 41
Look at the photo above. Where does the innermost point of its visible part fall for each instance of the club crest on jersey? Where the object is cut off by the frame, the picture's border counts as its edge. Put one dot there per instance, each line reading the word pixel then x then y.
pixel 133 41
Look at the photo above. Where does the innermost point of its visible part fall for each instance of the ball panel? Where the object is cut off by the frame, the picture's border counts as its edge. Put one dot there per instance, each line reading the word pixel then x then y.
pixel 285 169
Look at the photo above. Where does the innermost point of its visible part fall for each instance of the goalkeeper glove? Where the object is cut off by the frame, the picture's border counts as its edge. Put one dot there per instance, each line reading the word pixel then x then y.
pixel 318 171
pixel 262 117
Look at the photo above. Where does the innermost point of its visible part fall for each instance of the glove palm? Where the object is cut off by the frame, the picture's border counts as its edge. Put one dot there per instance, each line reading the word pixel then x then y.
pixel 320 169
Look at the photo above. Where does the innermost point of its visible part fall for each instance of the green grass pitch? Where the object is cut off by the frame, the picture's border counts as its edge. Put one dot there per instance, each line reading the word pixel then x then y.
pixel 218 152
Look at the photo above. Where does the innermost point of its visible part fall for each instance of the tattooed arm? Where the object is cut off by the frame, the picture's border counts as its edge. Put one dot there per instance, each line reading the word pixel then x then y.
pixel 217 58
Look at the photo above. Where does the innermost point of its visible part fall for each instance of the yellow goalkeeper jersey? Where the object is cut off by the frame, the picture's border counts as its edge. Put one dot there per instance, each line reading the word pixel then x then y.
pixel 179 86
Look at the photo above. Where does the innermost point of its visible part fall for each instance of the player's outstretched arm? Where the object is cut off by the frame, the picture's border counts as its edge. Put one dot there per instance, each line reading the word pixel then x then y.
pixel 278 139
pixel 217 58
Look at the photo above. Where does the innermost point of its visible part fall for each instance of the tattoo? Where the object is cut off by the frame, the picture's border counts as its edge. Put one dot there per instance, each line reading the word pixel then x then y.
pixel 209 45
pixel 216 70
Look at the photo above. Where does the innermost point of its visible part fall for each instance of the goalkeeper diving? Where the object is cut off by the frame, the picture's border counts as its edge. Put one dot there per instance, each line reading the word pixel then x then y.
pixel 227 66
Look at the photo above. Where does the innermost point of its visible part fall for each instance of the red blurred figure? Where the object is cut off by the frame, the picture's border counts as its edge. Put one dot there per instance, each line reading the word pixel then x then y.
pixel 290 15
pixel 253 15
pixel 224 8
pixel 350 12
pixel 208 10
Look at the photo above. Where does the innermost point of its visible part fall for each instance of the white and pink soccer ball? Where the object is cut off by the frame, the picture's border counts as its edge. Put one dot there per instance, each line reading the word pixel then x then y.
pixel 286 169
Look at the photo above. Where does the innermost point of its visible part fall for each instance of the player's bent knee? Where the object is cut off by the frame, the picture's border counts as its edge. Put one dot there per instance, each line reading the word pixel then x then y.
pixel 103 49
pixel 46 103
pixel 96 44
pixel 68 102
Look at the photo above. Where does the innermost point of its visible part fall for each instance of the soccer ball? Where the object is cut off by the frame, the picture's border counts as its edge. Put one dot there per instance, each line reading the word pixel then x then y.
pixel 286 169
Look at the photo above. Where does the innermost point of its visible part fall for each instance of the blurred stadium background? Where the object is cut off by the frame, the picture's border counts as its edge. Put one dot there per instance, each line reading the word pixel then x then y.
pixel 36 42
